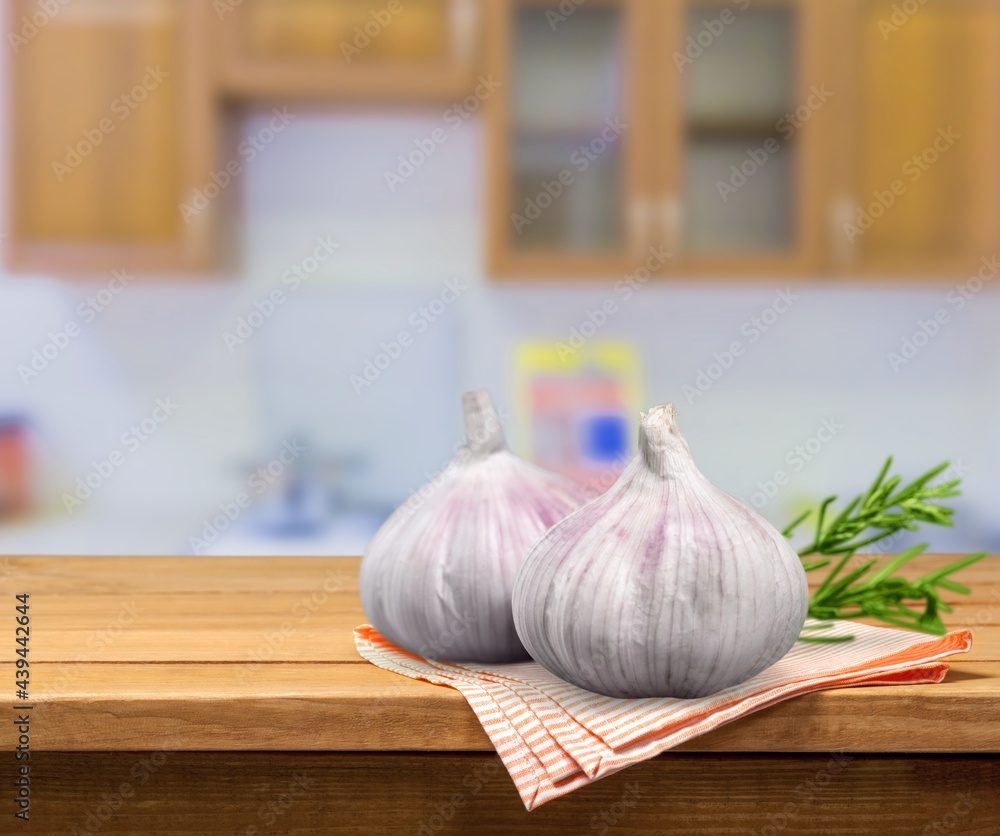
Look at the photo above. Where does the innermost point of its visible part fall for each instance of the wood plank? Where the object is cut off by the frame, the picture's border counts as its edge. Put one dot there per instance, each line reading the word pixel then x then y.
pixel 903 86
pixel 122 575
pixel 684 795
pixel 248 628
pixel 348 707
pixel 294 50
pixel 129 575
pixel 257 653
pixel 318 30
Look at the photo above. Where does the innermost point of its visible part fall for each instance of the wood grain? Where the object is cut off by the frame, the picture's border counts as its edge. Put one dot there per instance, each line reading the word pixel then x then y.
pixel 294 49
pixel 684 795
pixel 938 72
pixel 278 627
pixel 346 707
pixel 112 109
pixel 233 654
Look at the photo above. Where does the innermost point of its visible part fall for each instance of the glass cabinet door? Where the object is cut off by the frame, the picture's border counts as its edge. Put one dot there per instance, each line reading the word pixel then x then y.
pixel 738 105
pixel 566 137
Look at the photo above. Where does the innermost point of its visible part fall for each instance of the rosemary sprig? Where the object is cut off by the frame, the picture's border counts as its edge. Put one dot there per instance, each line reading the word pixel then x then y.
pixel 859 592
pixel 883 511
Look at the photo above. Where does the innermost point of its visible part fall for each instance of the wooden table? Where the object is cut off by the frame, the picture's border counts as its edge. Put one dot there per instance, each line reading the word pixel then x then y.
pixel 225 696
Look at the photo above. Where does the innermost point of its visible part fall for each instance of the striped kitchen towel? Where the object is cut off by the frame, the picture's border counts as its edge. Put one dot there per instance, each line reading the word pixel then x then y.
pixel 554 737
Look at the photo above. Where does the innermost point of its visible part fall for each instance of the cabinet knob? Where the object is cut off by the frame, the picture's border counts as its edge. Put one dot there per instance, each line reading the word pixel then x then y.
pixel 844 250
pixel 671 223
pixel 464 20
pixel 640 226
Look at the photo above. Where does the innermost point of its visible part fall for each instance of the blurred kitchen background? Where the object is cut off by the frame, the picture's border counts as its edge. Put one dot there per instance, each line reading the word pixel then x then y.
pixel 255 250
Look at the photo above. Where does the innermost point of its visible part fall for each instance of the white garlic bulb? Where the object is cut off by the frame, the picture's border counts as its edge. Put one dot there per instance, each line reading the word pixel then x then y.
pixel 664 586
pixel 437 578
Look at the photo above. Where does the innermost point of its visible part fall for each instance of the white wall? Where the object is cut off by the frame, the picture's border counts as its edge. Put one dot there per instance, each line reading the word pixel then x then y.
pixel 324 176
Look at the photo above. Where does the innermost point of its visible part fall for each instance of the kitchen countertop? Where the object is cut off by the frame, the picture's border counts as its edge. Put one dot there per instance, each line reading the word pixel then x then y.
pixel 256 655
pixel 237 653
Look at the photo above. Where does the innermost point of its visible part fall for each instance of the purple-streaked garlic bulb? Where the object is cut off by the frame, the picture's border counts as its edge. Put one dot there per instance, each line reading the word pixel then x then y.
pixel 437 577
pixel 664 586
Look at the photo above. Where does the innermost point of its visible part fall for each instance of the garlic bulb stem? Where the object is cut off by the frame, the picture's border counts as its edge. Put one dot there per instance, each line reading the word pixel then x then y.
pixel 483 432
pixel 661 445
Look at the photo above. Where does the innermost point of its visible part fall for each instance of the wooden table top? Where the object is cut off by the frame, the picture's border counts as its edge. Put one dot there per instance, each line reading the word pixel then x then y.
pixel 229 654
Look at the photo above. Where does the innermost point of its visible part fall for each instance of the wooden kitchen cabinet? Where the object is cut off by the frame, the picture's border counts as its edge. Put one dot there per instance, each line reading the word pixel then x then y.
pixel 739 99
pixel 705 89
pixel 759 135
pixel 918 132
pixel 567 138
pixel 359 49
pixel 111 131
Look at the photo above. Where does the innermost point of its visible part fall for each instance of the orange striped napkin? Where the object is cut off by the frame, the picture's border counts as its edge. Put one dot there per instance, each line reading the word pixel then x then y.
pixel 554 737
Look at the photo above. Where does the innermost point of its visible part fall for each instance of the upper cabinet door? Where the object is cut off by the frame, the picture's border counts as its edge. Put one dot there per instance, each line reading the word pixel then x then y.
pixel 739 98
pixel 366 49
pixel 567 128
pixel 110 133
pixel 919 184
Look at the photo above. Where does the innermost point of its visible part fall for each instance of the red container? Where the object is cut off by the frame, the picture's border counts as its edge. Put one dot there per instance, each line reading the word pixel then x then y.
pixel 15 492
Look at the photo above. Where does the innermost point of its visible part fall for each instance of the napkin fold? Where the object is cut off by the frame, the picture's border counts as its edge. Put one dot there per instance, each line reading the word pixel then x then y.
pixel 554 737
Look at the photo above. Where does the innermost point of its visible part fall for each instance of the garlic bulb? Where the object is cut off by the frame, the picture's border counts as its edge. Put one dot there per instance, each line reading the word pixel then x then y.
pixel 665 586
pixel 437 578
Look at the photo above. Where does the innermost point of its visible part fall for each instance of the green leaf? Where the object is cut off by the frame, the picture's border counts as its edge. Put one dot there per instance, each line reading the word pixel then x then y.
pixel 883 511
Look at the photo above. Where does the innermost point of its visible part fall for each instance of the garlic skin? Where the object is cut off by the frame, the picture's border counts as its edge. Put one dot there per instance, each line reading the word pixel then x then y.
pixel 437 578
pixel 664 586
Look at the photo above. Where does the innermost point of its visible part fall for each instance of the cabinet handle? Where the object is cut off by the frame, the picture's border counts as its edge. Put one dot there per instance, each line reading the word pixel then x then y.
pixel 844 250
pixel 671 223
pixel 640 226
pixel 464 23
